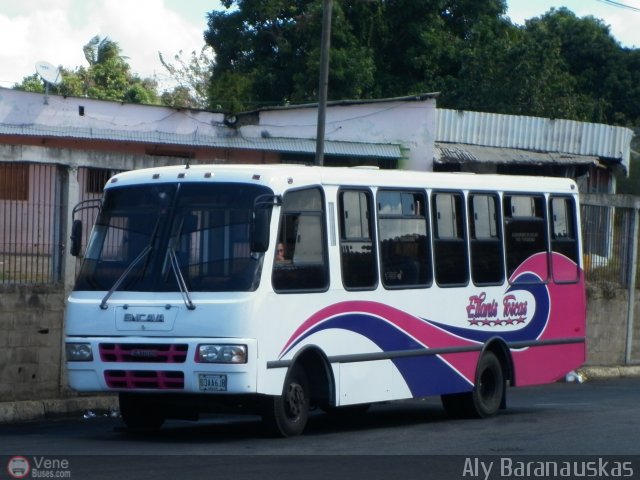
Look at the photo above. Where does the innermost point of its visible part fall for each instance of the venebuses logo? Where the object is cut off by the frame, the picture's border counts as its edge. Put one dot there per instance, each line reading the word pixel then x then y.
pixel 18 467
pixel 38 467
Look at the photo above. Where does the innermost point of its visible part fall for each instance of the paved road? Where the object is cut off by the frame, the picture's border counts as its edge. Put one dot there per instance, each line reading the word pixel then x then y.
pixel 597 418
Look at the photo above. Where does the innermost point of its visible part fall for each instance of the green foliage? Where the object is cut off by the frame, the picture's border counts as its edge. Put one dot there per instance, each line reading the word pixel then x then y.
pixel 192 77
pixel 230 92
pixel 556 65
pixel 32 83
pixel 108 77
pixel 273 48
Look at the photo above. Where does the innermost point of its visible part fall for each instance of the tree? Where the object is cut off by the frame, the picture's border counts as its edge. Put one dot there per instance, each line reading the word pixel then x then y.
pixel 557 65
pixel 273 48
pixel 108 77
pixel 382 48
pixel 509 70
pixel 192 77
pixel 423 42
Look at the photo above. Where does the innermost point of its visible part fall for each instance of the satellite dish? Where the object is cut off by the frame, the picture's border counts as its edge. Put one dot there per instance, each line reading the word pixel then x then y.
pixel 49 73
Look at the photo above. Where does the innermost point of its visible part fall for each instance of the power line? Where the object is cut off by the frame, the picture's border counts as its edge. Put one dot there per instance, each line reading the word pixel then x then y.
pixel 620 5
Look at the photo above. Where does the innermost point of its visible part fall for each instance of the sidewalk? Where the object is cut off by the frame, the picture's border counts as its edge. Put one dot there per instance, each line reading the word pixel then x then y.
pixel 22 411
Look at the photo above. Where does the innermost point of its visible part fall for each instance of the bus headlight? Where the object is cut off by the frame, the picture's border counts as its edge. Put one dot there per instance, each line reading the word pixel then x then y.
pixel 216 353
pixel 78 352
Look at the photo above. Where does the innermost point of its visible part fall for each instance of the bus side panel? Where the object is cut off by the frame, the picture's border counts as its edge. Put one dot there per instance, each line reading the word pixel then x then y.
pixel 374 329
pixel 365 382
pixel 541 321
pixel 540 365
pixel 438 374
pixel 566 325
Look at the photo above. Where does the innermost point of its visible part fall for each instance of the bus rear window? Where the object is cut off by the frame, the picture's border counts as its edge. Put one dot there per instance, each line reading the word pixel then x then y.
pixel 525 230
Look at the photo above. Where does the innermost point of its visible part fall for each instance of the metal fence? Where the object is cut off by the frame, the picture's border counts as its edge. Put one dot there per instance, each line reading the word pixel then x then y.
pixel 610 238
pixel 30 217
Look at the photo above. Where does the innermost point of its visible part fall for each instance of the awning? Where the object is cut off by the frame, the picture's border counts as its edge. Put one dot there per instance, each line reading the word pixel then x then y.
pixel 199 139
pixel 462 153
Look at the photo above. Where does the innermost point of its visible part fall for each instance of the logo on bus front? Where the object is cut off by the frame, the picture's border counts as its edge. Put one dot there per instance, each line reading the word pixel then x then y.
pixel 144 317
pixel 512 310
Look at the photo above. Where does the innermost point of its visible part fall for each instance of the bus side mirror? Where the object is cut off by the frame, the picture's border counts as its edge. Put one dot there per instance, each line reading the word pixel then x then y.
pixel 260 226
pixel 76 238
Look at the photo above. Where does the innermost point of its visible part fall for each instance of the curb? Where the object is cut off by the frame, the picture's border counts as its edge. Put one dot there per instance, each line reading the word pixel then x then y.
pixel 610 372
pixel 21 411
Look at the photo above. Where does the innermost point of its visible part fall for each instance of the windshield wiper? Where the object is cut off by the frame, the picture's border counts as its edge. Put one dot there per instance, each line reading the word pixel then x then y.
pixel 177 273
pixel 125 274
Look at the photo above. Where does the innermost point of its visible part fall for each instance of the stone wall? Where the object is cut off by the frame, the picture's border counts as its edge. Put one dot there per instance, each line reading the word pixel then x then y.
pixel 31 318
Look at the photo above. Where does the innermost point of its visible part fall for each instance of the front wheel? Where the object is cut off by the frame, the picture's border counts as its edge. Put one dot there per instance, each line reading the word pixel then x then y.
pixel 286 415
pixel 487 394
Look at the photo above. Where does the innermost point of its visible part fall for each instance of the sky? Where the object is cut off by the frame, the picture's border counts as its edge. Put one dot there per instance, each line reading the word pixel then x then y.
pixel 56 30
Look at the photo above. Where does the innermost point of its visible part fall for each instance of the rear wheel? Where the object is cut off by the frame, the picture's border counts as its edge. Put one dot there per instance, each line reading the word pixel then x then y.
pixel 286 415
pixel 487 394
pixel 140 412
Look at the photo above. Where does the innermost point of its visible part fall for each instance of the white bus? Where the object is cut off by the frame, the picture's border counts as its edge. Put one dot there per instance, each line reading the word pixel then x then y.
pixel 280 288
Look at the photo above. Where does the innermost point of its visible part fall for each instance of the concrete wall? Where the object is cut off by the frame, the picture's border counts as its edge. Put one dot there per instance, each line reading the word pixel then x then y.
pixel 607 321
pixel 409 123
pixel 31 338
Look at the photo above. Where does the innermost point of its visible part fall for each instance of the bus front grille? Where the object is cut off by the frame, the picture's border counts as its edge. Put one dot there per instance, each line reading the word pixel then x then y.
pixel 143 352
pixel 151 379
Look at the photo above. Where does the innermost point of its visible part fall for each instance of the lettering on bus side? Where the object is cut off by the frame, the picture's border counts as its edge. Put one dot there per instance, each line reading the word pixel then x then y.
pixel 483 312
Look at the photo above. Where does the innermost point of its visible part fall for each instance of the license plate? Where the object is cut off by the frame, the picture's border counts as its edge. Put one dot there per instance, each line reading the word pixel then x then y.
pixel 212 383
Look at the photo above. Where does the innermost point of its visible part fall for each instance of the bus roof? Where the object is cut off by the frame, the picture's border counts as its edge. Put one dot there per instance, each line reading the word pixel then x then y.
pixel 280 177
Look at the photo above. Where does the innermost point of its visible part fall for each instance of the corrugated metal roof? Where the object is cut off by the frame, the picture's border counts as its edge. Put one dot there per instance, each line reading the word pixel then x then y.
pixel 196 139
pixel 534 134
pixel 464 153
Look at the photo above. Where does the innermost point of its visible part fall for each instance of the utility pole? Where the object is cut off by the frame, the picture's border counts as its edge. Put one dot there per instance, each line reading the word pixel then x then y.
pixel 324 79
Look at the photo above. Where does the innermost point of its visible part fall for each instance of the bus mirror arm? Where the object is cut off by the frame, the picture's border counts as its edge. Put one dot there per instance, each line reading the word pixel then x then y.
pixel 261 221
pixel 76 226
pixel 76 238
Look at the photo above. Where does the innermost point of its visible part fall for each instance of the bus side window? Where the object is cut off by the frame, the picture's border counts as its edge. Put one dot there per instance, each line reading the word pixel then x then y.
pixel 487 259
pixel 562 215
pixel 303 237
pixel 357 252
pixel 525 231
pixel 449 239
pixel 405 255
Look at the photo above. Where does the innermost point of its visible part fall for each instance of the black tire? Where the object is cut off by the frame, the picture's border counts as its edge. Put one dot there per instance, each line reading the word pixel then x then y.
pixel 139 412
pixel 487 394
pixel 287 415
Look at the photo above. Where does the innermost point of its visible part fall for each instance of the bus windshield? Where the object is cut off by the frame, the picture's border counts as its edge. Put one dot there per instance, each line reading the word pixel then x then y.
pixel 202 229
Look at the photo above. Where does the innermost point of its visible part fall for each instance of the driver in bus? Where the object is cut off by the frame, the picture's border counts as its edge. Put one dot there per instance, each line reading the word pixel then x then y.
pixel 281 254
